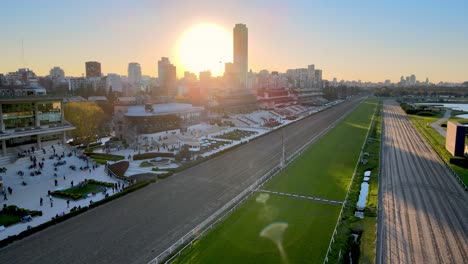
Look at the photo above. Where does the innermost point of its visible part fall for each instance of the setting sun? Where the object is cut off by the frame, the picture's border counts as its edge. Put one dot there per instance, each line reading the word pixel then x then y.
pixel 204 47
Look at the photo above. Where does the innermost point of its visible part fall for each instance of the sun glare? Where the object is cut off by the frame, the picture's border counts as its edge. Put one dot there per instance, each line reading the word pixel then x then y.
pixel 204 47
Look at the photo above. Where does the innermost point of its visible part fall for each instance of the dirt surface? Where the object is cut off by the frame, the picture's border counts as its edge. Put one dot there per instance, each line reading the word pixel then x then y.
pixel 423 210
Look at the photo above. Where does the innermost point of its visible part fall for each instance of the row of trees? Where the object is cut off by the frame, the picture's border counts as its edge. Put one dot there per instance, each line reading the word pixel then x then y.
pixel 431 91
pixel 339 92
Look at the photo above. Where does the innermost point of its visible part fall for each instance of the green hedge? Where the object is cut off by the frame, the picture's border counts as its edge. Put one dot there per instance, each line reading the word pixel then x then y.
pixel 165 175
pixel 459 161
pixel 152 155
pixel 76 196
pixel 104 156
pixel 15 211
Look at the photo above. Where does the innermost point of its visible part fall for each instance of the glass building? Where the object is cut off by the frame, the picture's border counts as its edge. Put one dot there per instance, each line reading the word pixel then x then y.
pixel 31 120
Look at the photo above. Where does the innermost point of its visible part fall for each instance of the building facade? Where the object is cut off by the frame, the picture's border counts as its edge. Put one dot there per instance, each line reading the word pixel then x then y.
pixel 241 52
pixel 93 69
pixel 167 77
pixel 132 119
pixel 57 74
pixel 31 120
pixel 114 82
pixel 134 74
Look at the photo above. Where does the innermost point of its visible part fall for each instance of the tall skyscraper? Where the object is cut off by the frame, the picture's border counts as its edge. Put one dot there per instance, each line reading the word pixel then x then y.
pixel 167 77
pixel 134 74
pixel 93 69
pixel 241 48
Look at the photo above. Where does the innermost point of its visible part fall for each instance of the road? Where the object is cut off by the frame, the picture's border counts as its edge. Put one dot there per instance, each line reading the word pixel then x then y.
pixel 142 224
pixel 423 211
pixel 436 124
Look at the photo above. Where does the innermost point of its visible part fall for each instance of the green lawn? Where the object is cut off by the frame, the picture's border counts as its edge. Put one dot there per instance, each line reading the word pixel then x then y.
pixel 238 239
pixel 8 219
pixel 78 192
pixel 367 247
pixel 324 170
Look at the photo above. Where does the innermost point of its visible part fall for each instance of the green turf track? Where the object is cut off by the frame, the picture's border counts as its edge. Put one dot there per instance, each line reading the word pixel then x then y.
pixel 325 171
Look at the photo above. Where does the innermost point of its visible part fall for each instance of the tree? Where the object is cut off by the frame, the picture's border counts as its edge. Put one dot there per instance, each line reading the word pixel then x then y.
pixel 87 117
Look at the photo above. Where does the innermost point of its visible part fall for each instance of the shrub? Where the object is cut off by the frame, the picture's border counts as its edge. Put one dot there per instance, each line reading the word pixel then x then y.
pixel 146 164
pixel 151 155
pixel 100 161
pixel 425 113
pixel 165 175
pixel 106 184
pixel 155 169
pixel 459 161
pixel 119 168
pixel 18 212
pixel 104 156
pixel 95 144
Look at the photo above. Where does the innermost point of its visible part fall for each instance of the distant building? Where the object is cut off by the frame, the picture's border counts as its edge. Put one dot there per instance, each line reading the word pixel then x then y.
pixel 22 90
pixel 134 74
pixel 307 83
pixel 241 49
pixel 76 82
pixel 23 76
pixel 57 74
pixel 114 82
pixel 167 77
pixel 93 69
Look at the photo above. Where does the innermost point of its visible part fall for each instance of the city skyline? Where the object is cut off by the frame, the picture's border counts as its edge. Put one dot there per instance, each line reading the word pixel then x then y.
pixel 426 40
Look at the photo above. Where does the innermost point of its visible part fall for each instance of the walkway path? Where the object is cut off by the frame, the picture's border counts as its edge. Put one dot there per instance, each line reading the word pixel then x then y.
pixel 436 124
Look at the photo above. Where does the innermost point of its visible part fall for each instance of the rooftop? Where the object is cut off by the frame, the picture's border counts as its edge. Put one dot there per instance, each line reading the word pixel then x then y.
pixel 161 109
pixel 35 98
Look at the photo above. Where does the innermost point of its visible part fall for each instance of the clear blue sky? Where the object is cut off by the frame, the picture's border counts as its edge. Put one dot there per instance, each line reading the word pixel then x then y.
pixel 367 40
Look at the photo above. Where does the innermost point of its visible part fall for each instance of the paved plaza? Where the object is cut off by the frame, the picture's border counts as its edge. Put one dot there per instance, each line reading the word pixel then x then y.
pixel 28 196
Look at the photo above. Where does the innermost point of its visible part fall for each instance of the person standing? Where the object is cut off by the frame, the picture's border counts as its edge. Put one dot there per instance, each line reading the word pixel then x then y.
pixel 41 201
pixel 68 203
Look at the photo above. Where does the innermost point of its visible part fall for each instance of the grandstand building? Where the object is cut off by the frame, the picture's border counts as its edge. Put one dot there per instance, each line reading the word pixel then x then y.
pixel 131 120
pixel 31 120
pixel 274 98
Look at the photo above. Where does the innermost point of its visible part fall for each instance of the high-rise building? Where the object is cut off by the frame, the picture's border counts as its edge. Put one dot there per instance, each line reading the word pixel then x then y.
pixel 167 77
pixel 134 74
pixel 241 48
pixel 57 74
pixel 113 81
pixel 412 80
pixel 93 69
